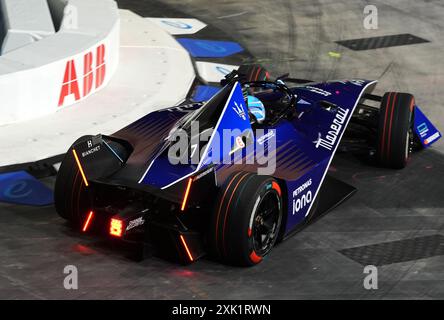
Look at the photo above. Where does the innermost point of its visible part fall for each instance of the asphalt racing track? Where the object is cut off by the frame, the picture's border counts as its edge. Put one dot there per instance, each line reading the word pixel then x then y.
pixel 399 211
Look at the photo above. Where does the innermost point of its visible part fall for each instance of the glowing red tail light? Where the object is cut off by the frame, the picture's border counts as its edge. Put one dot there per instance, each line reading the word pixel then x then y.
pixel 116 227
pixel 88 220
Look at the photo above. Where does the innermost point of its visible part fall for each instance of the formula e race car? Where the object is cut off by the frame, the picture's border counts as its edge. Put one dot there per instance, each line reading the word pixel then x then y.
pixel 232 176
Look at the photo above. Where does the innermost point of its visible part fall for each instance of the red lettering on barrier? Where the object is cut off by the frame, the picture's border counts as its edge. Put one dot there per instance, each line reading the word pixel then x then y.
pixel 101 66
pixel 70 85
pixel 88 73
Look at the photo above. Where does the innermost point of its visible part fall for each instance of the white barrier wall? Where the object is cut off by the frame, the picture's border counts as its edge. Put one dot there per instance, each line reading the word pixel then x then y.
pixel 60 70
pixel 154 72
pixel 24 22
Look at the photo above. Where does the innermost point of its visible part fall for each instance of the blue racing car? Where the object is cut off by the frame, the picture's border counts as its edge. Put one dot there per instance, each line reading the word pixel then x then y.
pixel 232 176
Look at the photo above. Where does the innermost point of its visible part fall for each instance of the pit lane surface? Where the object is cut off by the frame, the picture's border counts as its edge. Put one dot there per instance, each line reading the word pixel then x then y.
pixel 295 36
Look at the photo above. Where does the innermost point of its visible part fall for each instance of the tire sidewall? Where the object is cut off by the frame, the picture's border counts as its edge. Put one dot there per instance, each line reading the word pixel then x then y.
pixel 261 194
pixel 243 213
pixel 395 122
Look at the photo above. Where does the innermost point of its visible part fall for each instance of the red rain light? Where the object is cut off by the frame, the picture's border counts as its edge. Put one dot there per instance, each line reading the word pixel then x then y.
pixel 116 227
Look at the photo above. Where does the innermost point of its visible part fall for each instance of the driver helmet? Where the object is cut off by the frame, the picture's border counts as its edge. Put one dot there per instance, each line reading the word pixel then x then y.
pixel 256 107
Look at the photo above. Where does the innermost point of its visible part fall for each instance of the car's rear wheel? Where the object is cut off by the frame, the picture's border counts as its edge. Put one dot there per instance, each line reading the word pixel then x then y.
pixel 70 194
pixel 395 129
pixel 247 219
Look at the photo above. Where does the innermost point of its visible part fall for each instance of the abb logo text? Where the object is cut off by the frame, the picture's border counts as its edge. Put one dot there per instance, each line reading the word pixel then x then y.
pixel 92 69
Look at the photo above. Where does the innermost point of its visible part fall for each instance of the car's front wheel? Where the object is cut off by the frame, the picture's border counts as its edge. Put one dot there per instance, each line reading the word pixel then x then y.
pixel 394 131
pixel 247 219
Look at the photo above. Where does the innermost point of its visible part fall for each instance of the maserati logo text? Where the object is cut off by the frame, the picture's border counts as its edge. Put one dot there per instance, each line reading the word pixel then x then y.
pixel 335 128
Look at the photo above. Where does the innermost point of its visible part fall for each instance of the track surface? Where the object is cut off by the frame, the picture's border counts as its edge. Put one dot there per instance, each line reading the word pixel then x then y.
pixel 35 244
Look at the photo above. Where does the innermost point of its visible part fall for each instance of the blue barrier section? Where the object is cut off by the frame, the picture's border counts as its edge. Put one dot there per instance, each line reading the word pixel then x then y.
pixel 204 93
pixel 210 48
pixel 21 188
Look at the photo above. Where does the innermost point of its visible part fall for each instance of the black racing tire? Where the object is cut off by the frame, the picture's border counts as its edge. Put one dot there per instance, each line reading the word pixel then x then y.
pixel 247 219
pixel 394 130
pixel 254 72
pixel 71 197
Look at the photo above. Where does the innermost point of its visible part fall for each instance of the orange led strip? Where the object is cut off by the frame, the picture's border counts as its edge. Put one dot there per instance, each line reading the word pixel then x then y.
pixel 186 248
pixel 80 167
pixel 187 192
